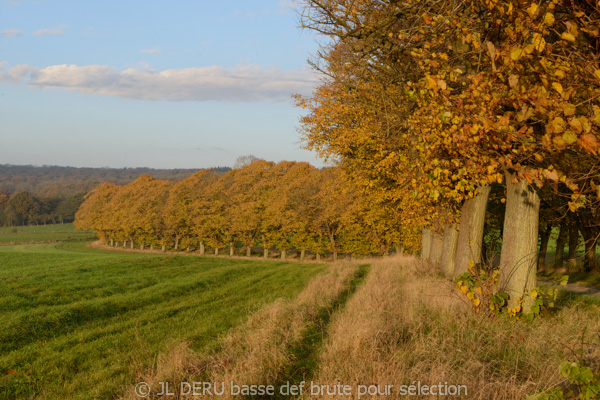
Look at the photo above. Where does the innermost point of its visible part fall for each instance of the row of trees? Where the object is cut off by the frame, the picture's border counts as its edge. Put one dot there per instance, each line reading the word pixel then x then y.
pixel 285 205
pixel 429 103
pixel 24 208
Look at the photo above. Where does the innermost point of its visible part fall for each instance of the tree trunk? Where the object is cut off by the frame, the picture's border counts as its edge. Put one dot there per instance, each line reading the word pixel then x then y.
pixel 131 243
pixel 283 254
pixel 318 257
pixel 334 255
pixel 519 242
pixel 151 247
pixel 470 231
pixel 435 254
pixel 248 251
pixel 201 248
pixel 544 239
pixel 124 243
pixel 559 255
pixel 231 251
pixel 176 244
pixel 142 246
pixel 164 248
pixel 302 252
pixel 573 244
pixel 112 242
pixel 426 238
pixel 449 250
pixel 265 249
pixel 589 260
pixel 216 251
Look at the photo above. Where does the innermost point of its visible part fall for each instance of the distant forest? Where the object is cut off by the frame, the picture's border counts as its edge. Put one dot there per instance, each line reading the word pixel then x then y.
pixel 51 194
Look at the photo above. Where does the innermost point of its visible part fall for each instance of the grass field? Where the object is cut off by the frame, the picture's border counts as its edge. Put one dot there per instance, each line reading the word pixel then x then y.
pixel 77 323
pixel 43 233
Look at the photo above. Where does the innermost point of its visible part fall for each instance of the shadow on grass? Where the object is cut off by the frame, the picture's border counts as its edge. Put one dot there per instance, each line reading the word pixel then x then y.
pixel 306 352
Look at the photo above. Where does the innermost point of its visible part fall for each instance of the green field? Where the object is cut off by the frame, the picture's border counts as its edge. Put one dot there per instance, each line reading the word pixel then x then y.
pixel 77 323
pixel 43 233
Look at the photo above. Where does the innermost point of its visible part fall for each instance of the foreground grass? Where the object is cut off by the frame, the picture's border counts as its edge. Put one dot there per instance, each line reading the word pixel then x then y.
pixel 277 344
pixel 77 323
pixel 43 233
pixel 407 325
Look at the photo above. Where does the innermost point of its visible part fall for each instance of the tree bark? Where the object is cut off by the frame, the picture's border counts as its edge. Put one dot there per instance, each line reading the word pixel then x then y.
pixel 131 243
pixel 318 257
pixel 176 244
pixel 449 250
pixel 435 254
pixel 142 246
pixel 112 242
pixel 201 248
pixel 470 232
pixel 265 249
pixel 164 248
pixel 302 252
pixel 231 251
pixel 248 251
pixel 283 254
pixel 573 244
pixel 518 266
pixel 589 259
pixel 216 251
pixel 426 238
pixel 544 239
pixel 559 254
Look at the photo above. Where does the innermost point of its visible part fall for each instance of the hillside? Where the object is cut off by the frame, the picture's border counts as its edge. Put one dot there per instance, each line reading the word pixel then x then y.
pixel 52 181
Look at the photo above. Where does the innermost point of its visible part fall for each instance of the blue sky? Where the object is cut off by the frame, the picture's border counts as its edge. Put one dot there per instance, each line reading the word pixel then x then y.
pixel 178 84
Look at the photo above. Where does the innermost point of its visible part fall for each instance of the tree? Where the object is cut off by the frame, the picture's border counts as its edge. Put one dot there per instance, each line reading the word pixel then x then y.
pixel 243 161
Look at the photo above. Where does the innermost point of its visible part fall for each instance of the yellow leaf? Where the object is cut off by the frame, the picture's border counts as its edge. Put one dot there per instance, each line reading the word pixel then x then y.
pixel 557 125
pixel 513 80
pixel 442 84
pixel 549 19
pixel 569 137
pixel 568 109
pixel 532 9
pixel 538 157
pixel 558 87
pixel 575 124
pixel 538 42
pixel 534 293
pixel 559 143
pixel 464 289
pixel 515 53
pixel 597 73
pixel 476 301
pixel 568 36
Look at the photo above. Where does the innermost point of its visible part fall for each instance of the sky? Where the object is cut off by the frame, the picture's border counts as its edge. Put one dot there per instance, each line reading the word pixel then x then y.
pixel 160 84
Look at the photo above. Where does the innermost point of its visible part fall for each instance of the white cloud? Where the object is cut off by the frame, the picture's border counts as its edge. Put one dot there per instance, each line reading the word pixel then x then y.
pixel 59 30
pixel 150 51
pixel 242 83
pixel 8 33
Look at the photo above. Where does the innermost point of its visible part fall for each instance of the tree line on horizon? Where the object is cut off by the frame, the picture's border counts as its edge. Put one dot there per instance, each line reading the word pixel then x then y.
pixel 24 208
pixel 284 206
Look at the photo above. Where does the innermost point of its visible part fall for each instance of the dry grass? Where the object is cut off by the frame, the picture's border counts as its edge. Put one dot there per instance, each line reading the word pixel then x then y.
pixel 406 324
pixel 260 349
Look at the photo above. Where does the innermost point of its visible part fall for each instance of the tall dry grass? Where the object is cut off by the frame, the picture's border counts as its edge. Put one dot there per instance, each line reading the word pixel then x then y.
pixel 407 324
pixel 260 349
